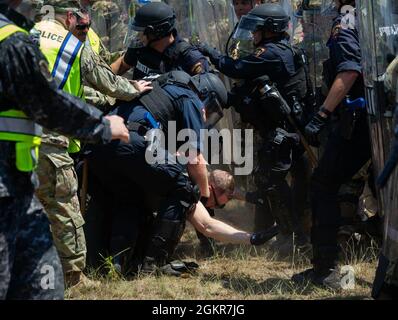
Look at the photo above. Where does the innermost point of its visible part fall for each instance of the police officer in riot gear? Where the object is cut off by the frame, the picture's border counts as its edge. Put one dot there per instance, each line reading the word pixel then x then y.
pixel 29 94
pixel 347 149
pixel 143 188
pixel 237 48
pixel 157 48
pixel 266 25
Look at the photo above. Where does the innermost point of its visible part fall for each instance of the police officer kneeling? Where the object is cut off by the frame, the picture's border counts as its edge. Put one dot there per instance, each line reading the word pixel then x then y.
pixel 176 99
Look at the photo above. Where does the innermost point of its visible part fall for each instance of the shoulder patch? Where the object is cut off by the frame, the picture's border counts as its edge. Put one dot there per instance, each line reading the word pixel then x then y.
pixel 336 30
pixel 197 68
pixel 260 51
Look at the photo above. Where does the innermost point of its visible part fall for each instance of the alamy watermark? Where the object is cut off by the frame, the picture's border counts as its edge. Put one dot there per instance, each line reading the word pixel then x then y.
pixel 47 282
pixel 347 281
pixel 217 147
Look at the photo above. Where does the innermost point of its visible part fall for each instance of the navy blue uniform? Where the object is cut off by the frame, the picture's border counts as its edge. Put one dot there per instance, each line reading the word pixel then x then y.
pixel 344 154
pixel 27 254
pixel 136 188
pixel 274 58
pixel 270 59
pixel 180 55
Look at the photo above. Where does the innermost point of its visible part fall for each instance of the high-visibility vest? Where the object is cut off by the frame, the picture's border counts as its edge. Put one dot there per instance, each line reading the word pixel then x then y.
pixel 94 40
pixel 15 126
pixel 63 52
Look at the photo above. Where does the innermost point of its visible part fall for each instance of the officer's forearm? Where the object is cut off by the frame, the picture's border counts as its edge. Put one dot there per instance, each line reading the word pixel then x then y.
pixel 105 81
pixel 216 229
pixel 119 67
pixel 197 171
pixel 340 88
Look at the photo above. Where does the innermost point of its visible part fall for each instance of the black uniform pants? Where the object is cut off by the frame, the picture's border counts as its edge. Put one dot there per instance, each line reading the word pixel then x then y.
pixel 29 264
pixel 341 160
pixel 136 189
pixel 286 202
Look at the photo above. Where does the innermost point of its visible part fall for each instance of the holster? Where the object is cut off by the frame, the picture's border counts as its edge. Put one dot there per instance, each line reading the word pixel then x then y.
pixel 347 121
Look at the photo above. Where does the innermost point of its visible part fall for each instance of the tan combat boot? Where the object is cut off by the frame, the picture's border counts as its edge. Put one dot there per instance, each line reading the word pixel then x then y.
pixel 78 279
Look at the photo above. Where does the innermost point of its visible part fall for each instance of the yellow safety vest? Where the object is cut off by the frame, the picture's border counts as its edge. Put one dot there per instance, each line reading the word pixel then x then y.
pixel 63 52
pixel 94 40
pixel 15 126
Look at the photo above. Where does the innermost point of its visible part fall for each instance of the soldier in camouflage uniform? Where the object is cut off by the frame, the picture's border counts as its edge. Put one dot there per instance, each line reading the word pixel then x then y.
pixel 29 265
pixel 58 184
pixel 98 75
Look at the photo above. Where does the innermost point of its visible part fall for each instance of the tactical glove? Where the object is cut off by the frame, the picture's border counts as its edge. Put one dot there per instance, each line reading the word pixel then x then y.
pixel 261 237
pixel 314 128
pixel 207 50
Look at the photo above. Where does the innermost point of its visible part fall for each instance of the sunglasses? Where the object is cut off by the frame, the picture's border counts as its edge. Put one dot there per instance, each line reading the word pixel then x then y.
pixel 218 205
pixel 82 27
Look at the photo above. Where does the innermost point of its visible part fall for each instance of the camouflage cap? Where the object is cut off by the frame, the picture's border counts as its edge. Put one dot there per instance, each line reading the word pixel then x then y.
pixel 63 5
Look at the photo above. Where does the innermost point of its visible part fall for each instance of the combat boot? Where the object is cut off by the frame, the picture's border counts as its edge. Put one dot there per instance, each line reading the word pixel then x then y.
pixel 76 279
pixel 165 237
pixel 331 278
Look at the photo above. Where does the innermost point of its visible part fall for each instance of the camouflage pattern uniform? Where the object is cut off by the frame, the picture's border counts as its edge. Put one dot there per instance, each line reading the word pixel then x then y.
pixel 58 194
pixel 26 251
pixel 98 75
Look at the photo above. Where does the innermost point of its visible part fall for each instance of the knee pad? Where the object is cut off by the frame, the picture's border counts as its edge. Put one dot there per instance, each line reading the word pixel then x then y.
pixel 165 237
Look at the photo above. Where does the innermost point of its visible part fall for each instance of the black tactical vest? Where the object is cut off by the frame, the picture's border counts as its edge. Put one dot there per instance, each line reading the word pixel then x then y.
pixel 159 103
pixel 150 62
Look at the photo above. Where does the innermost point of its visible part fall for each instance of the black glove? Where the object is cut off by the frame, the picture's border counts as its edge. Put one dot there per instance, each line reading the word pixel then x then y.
pixel 261 237
pixel 314 128
pixel 207 50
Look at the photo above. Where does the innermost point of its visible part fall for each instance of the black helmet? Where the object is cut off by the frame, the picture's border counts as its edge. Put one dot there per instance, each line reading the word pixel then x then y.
pixel 156 18
pixel 211 90
pixel 268 16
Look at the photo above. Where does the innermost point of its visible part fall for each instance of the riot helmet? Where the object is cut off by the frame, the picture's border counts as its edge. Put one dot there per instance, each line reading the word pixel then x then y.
pixel 211 90
pixel 155 19
pixel 266 17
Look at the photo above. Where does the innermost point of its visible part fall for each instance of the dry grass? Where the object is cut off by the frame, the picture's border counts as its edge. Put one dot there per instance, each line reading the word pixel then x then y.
pixel 235 272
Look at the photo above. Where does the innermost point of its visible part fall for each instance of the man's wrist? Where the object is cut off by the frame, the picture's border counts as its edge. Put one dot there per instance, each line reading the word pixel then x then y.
pixel 324 113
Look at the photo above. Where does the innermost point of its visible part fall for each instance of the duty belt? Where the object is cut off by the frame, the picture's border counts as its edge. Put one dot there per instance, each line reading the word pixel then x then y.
pixel 138 127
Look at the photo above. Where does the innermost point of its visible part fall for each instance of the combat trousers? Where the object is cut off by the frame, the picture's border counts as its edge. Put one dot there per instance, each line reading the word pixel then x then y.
pixel 58 194
pixel 29 265
pixel 275 162
pixel 341 160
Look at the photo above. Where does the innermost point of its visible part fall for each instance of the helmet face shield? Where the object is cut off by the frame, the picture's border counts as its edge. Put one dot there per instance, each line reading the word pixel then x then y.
pixel 134 39
pixel 246 27
pixel 251 23
pixel 214 110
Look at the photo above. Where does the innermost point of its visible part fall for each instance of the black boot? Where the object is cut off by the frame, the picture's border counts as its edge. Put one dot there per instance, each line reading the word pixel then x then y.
pixel 165 237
